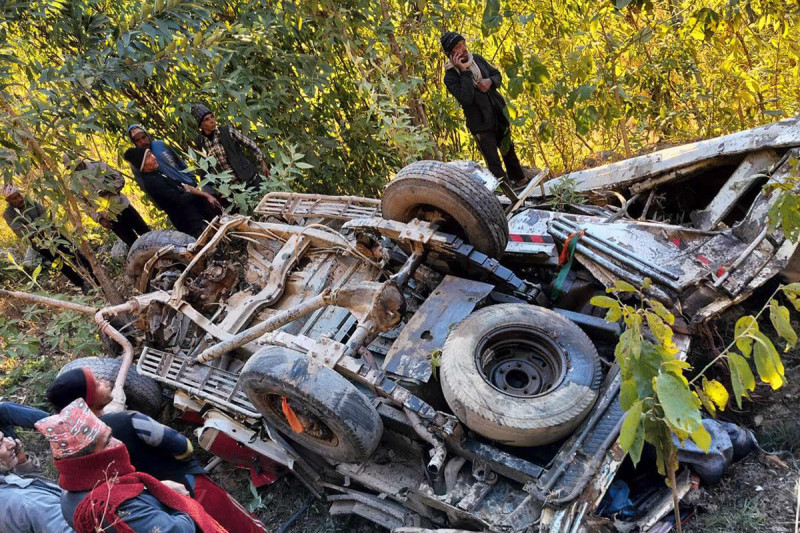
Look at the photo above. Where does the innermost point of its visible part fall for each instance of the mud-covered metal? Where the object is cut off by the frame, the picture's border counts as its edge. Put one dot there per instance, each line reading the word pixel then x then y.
pixel 452 300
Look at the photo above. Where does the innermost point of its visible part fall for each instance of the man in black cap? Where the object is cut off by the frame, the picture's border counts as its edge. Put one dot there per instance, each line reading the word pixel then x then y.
pixel 474 83
pixel 187 207
pixel 225 143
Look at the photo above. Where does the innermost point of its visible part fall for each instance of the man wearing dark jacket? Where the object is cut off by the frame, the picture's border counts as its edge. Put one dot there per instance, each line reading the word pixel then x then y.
pixel 474 83
pixel 225 143
pixel 187 207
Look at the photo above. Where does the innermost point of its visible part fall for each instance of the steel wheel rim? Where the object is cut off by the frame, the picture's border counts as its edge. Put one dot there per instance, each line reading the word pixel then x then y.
pixel 521 362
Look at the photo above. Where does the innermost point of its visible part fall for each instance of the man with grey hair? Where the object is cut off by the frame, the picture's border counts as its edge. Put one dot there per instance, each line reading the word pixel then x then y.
pixel 29 502
pixel 475 82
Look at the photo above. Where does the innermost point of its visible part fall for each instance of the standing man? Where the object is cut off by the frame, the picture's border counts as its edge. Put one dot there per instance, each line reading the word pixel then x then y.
pixel 28 220
pixel 114 211
pixel 187 207
pixel 474 83
pixel 225 144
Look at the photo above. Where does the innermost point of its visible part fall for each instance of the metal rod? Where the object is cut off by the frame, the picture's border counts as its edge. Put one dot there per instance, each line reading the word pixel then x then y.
pixel 744 255
pixel 613 246
pixel 118 392
pixel 608 265
pixel 273 323
pixel 624 259
pixel 53 302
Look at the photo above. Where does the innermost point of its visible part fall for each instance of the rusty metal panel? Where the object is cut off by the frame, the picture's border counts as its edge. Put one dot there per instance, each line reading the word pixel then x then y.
pixel 451 302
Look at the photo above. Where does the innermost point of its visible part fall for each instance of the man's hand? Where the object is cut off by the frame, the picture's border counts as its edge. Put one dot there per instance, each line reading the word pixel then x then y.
pixel 264 169
pixel 8 454
pixel 177 487
pixel 460 62
pixel 213 202
pixel 484 85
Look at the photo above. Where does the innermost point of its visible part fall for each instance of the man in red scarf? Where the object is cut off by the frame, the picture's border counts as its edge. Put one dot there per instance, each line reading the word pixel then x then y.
pixel 154 449
pixel 103 490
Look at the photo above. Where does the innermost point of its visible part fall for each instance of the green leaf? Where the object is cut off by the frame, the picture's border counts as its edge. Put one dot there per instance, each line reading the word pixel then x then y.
pixel 631 436
pixel 792 292
pixel 681 409
pixel 622 4
pixel 627 394
pixel 662 311
pixel 629 347
pixel 746 325
pixel 661 331
pixel 623 286
pixel 716 392
pixel 646 283
pixel 604 301
pixel 491 17
pixel 742 379
pixel 779 316
pixel 585 119
pixel 768 362
pixel 707 402
pixel 614 314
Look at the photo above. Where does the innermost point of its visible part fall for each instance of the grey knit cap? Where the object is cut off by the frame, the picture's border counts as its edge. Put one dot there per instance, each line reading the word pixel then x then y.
pixel 199 111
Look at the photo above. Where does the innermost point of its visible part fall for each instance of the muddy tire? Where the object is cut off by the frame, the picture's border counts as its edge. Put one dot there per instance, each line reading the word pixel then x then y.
pixel 339 422
pixel 519 374
pixel 148 245
pixel 470 210
pixel 142 393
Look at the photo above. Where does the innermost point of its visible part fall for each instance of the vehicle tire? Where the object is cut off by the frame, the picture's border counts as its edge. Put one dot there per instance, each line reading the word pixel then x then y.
pixel 339 422
pixel 470 210
pixel 146 246
pixel 519 374
pixel 142 393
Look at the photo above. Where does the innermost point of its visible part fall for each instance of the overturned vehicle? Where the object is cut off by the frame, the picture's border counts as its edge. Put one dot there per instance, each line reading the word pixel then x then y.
pixel 415 359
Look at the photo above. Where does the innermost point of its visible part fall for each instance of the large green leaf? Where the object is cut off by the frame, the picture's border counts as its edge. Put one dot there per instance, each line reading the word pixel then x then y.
pixel 631 436
pixel 742 378
pixel 779 316
pixel 745 327
pixel 768 362
pixel 682 409
pixel 491 17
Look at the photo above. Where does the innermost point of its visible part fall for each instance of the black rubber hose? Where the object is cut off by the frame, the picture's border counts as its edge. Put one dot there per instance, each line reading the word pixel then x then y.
pixel 295 516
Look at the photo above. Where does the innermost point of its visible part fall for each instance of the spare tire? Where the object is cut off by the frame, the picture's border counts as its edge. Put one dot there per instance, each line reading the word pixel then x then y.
pixel 519 374
pixel 430 190
pixel 141 393
pixel 339 422
pixel 147 246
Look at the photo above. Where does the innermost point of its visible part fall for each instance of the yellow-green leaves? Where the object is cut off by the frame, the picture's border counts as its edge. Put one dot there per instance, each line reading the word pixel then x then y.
pixel 768 362
pixel 614 308
pixel 631 437
pixel 661 331
pixel 779 316
pixel 792 292
pixel 621 286
pixel 714 395
pixel 745 327
pixel 681 409
pixel 742 379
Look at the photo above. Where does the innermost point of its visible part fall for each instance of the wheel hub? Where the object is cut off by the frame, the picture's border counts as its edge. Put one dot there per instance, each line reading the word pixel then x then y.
pixel 521 362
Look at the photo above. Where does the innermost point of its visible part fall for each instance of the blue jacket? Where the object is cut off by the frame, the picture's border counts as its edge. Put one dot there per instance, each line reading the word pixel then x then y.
pixel 142 513
pixel 171 164
pixel 30 504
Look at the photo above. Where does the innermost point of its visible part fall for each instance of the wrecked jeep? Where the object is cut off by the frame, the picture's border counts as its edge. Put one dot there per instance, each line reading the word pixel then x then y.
pixel 416 359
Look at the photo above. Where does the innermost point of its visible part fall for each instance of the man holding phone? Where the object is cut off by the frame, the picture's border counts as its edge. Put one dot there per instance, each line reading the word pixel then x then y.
pixel 474 83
